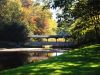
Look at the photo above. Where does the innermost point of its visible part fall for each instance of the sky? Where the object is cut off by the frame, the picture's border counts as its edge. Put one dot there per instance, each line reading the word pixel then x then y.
pixel 54 12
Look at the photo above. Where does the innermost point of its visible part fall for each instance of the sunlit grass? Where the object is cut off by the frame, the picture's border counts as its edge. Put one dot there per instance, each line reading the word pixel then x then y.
pixel 92 65
pixel 82 61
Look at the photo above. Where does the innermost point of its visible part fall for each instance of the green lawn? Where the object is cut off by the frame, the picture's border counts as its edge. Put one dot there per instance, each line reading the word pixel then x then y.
pixel 83 61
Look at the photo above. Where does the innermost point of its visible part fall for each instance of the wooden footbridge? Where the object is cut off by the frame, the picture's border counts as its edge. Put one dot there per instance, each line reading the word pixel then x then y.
pixel 53 44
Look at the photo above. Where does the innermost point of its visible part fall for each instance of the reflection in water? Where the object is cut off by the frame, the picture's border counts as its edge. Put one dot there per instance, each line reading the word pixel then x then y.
pixel 56 54
pixel 37 56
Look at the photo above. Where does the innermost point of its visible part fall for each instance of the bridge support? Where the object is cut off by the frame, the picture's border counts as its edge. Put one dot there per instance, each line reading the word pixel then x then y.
pixel 65 39
pixel 47 39
pixel 56 39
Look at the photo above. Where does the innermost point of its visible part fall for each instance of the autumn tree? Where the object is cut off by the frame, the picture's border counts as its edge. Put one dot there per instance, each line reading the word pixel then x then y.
pixel 36 18
pixel 39 19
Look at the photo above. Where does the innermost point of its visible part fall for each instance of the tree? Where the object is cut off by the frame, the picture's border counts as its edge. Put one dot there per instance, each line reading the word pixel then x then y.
pixel 14 32
pixel 9 11
pixel 40 20
pixel 10 22
pixel 88 12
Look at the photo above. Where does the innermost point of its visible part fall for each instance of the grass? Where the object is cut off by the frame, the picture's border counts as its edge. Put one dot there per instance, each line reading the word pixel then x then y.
pixel 82 61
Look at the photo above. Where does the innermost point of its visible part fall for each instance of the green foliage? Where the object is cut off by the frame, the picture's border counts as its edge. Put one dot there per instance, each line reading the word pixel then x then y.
pixel 85 25
pixel 15 31
pixel 62 28
pixel 82 61
pixel 82 32
pixel 9 11
pixel 87 30
pixel 12 28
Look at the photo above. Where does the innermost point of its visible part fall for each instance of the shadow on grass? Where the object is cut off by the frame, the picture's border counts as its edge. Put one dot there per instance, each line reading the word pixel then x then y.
pixel 83 61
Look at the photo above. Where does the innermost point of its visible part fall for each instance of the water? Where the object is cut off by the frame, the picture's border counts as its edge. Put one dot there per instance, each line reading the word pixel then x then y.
pixel 56 54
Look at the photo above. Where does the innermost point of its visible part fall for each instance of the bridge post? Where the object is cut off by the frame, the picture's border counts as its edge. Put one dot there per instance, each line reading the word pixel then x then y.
pixel 47 39
pixel 47 54
pixel 56 39
pixel 65 39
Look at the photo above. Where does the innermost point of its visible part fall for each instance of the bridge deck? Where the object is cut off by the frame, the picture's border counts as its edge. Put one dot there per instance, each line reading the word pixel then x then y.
pixel 50 43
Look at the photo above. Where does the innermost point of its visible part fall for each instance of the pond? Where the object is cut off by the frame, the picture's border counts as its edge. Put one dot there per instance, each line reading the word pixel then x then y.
pixel 11 58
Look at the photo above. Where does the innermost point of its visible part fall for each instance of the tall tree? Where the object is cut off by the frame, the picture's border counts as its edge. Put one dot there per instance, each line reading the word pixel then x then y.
pixel 87 11
pixel 36 16
pixel 10 23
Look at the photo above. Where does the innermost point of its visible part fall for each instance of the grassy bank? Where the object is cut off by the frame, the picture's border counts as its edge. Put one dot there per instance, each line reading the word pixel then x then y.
pixel 83 61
